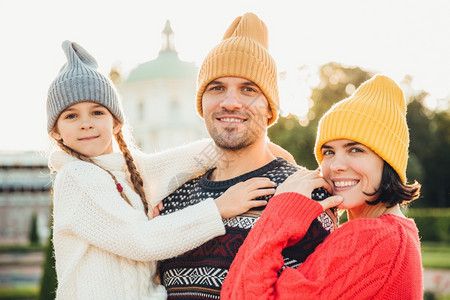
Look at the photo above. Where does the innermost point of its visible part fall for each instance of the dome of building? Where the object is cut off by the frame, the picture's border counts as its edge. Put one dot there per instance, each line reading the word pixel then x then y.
pixel 166 65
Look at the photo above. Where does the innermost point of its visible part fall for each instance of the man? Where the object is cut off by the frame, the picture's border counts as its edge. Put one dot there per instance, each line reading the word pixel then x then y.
pixel 238 99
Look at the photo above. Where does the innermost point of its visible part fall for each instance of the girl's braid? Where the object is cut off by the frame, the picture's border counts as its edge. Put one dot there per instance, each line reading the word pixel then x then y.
pixel 87 159
pixel 135 176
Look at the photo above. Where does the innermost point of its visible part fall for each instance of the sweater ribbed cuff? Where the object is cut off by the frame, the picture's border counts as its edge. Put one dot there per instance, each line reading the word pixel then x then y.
pixel 293 207
pixel 208 212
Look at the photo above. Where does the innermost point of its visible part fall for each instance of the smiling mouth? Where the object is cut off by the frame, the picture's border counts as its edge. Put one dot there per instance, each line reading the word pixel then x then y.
pixel 231 120
pixel 88 138
pixel 343 184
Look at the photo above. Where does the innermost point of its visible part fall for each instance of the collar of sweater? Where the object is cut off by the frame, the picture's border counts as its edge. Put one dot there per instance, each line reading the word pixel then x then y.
pixel 112 162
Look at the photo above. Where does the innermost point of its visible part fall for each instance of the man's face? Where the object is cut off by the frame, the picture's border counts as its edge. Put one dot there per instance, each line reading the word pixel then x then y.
pixel 235 112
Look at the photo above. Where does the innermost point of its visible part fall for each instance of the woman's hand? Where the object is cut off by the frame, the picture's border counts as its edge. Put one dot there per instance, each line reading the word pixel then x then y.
pixel 304 182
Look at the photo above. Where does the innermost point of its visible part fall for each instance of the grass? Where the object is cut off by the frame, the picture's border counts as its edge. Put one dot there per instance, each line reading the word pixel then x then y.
pixel 436 255
pixel 19 293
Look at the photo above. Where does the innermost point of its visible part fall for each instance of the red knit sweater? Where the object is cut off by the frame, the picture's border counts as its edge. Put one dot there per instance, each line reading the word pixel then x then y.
pixel 364 259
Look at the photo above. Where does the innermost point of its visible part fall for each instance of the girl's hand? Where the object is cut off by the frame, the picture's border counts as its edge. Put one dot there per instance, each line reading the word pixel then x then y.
pixel 156 210
pixel 238 199
pixel 304 182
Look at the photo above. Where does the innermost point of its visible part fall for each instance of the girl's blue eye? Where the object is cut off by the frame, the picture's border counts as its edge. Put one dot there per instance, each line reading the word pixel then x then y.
pixel 327 152
pixel 70 116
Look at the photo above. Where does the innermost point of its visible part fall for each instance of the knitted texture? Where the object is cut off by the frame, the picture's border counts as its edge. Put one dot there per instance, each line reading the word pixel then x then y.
pixel 79 81
pixel 199 273
pixel 374 115
pixel 106 249
pixel 363 259
pixel 243 53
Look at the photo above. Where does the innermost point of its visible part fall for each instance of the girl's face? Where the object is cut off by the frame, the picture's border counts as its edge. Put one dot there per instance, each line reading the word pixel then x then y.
pixel 87 128
pixel 351 169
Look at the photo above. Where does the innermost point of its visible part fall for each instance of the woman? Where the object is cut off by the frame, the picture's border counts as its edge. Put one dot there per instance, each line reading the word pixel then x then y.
pixel 362 147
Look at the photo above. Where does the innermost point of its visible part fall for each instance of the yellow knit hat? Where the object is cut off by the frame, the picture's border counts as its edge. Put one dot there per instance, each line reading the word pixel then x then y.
pixel 242 53
pixel 374 115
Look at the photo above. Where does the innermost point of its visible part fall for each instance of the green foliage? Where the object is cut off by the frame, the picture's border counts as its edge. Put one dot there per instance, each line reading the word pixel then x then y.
pixel 48 281
pixel 433 223
pixel 33 235
pixel 20 248
pixel 429 147
pixel 337 82
pixel 297 139
pixel 430 295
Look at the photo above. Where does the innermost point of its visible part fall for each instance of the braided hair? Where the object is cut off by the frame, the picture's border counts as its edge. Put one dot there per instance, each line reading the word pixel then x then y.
pixel 135 176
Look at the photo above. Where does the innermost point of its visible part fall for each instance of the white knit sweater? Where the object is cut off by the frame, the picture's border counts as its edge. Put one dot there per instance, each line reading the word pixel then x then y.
pixel 106 249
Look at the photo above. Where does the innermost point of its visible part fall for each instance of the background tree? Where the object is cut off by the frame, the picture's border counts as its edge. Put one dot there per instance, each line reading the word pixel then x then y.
pixel 429 150
pixel 34 236
pixel 48 280
pixel 336 83
pixel 295 138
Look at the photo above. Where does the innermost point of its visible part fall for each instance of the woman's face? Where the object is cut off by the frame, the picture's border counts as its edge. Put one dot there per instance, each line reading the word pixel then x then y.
pixel 351 169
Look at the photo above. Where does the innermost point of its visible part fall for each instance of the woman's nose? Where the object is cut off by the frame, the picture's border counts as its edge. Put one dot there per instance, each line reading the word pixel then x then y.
pixel 338 164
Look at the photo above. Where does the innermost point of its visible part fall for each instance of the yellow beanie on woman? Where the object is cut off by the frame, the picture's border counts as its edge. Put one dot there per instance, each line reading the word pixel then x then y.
pixel 242 53
pixel 374 115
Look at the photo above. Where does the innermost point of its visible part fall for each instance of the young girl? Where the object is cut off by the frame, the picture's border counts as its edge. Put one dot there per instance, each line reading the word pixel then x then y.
pixel 105 246
pixel 362 146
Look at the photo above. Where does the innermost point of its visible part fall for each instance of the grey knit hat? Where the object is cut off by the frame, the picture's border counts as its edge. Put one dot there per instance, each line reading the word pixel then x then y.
pixel 79 81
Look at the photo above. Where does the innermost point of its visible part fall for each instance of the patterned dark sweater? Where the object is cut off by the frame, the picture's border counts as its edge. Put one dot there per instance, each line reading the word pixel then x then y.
pixel 199 273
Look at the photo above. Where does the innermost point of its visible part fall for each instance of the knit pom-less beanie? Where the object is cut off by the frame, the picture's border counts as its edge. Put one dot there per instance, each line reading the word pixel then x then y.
pixel 79 81
pixel 243 53
pixel 374 115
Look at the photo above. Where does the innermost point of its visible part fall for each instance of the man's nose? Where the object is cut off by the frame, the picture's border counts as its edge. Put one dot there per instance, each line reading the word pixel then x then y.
pixel 231 100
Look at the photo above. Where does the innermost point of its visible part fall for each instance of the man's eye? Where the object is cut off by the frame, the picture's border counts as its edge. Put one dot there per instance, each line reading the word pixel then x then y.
pixel 249 89
pixel 216 88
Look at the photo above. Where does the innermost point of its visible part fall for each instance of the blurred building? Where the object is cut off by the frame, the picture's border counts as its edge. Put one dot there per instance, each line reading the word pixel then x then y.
pixel 159 100
pixel 25 185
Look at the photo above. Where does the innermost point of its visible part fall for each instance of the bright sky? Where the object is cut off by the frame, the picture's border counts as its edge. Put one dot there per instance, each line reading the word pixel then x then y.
pixel 394 37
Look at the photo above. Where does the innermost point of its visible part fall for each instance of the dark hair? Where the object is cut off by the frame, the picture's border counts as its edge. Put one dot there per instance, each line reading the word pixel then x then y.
pixel 393 191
